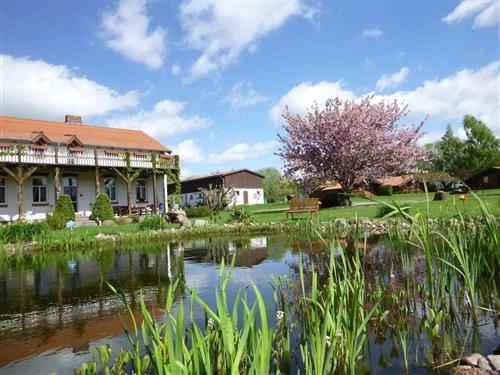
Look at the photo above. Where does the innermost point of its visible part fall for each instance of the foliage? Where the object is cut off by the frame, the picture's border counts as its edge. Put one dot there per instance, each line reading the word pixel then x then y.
pixel 65 207
pixel 480 150
pixel 56 220
pixel 135 218
pixel 22 232
pixel 385 190
pixel 121 220
pixel 276 187
pixel 387 211
pixel 440 195
pixel 174 199
pixel 102 209
pixel 216 197
pixel 154 222
pixel 324 144
pixel 240 214
pixel 199 211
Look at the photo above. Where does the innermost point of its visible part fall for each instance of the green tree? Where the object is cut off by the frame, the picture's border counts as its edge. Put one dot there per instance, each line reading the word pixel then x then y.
pixel 482 147
pixel 276 187
pixel 447 155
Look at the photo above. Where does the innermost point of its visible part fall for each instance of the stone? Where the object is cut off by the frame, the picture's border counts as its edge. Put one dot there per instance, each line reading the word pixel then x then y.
pixel 128 220
pixel 484 364
pixel 341 222
pixel 200 223
pixel 106 223
pixel 183 220
pixel 494 360
pixel 471 359
pixel 496 349
pixel 470 370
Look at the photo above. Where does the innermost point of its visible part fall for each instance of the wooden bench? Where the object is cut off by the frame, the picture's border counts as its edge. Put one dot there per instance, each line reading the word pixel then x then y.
pixel 297 206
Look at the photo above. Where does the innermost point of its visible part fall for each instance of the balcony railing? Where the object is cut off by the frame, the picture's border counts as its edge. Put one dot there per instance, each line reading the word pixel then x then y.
pixel 86 157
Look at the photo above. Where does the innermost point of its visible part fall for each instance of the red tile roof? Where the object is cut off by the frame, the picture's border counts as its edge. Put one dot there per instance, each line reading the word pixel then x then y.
pixel 22 129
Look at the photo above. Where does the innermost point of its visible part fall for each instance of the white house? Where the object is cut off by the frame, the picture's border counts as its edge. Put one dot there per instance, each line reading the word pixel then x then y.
pixel 247 187
pixel 41 159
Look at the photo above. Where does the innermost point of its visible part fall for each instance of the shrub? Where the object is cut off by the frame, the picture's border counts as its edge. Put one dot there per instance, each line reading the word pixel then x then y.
pixel 334 199
pixel 385 190
pixel 200 211
pixel 135 218
pixel 440 196
pixel 153 223
pixel 23 231
pixel 239 214
pixel 102 209
pixel 121 220
pixel 56 220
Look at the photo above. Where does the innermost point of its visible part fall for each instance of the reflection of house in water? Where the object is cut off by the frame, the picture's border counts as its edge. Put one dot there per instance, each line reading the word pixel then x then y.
pixel 69 304
pixel 249 251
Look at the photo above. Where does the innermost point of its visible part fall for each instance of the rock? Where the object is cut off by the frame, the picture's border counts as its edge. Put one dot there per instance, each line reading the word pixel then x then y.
pixel 200 223
pixel 440 196
pixel 128 220
pixel 106 223
pixel 471 359
pixel 183 220
pixel 496 349
pixel 469 370
pixel 494 360
pixel 484 364
pixel 341 222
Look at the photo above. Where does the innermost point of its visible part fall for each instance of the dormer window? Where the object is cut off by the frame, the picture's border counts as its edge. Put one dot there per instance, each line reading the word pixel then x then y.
pixel 74 144
pixel 40 143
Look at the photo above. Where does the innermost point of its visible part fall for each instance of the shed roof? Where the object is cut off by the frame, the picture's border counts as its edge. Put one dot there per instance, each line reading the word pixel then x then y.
pixel 22 129
pixel 221 174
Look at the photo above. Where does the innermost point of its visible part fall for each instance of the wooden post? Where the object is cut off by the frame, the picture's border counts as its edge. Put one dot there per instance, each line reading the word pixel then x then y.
pixel 57 182
pixel 97 183
pixel 155 198
pixel 19 177
pixel 129 177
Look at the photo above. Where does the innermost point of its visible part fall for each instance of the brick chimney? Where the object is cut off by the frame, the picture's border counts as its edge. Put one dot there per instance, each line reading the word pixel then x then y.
pixel 71 119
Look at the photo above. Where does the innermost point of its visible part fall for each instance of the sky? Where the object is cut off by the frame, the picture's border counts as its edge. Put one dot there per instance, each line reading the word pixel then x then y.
pixel 211 79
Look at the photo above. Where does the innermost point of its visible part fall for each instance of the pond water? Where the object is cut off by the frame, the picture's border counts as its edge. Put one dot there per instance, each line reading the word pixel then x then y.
pixel 55 310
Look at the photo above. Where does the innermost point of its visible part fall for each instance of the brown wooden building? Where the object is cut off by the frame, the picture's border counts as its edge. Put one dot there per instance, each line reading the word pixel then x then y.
pixel 486 179
pixel 247 185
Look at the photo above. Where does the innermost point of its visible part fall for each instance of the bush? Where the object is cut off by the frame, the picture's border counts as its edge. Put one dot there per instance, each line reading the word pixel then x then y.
pixel 239 214
pixel 153 223
pixel 440 196
pixel 56 220
pixel 23 231
pixel 385 190
pixel 63 212
pixel 122 220
pixel 102 209
pixel 200 211
pixel 334 199
pixel 135 218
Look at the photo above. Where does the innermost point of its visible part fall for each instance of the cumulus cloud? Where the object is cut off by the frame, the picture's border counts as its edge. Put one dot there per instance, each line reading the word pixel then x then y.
pixel 243 95
pixel 126 30
pixel 392 80
pixel 35 88
pixel 222 30
pixel 372 33
pixel 469 91
pixel 165 119
pixel 487 13
pixel 242 151
pixel 189 151
pixel 301 97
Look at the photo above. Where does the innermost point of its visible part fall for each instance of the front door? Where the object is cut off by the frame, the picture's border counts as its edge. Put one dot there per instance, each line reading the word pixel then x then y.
pixel 245 197
pixel 70 187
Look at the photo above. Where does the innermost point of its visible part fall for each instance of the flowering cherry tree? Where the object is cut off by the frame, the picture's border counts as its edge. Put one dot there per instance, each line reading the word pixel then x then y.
pixel 349 140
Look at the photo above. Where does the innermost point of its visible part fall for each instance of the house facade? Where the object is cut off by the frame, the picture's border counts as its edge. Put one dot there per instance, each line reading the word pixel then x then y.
pixel 41 159
pixel 486 179
pixel 247 187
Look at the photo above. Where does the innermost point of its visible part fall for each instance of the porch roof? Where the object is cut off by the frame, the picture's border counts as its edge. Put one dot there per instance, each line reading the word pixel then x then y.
pixel 22 129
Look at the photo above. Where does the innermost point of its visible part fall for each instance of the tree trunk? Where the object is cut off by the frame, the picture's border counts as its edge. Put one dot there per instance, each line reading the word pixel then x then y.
pixel 97 183
pixel 20 200
pixel 129 196
pixel 57 182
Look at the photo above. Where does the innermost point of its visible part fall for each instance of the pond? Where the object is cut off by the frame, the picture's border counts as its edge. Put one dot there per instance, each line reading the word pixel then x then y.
pixel 54 310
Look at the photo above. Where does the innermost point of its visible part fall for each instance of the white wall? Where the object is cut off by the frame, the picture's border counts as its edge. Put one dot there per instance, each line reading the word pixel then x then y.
pixel 255 196
pixel 86 194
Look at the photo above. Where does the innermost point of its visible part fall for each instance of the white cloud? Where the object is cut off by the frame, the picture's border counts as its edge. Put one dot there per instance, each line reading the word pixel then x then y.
pixel 189 151
pixel 487 12
pixel 468 91
pixel 165 119
pixel 488 17
pixel 35 88
pixel 301 97
pixel 430 137
pixel 222 30
pixel 126 31
pixel 243 95
pixel 372 33
pixel 243 151
pixel 392 80
pixel 176 70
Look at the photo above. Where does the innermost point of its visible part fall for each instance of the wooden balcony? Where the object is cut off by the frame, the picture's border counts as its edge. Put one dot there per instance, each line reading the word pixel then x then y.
pixel 51 155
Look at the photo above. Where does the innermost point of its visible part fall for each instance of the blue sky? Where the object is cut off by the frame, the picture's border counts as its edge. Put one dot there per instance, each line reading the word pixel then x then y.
pixel 210 79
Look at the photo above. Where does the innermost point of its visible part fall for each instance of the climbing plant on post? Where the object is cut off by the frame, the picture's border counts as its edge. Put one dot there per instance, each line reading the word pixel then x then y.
pixel 20 175
pixel 129 176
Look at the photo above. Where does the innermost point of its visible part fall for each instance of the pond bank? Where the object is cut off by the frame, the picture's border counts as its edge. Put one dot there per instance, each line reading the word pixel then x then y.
pixel 342 227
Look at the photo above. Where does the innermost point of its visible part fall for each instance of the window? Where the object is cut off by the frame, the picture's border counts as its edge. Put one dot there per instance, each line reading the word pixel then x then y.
pixel 486 179
pixel 39 189
pixel 110 189
pixel 140 191
pixel 2 190
pixel 190 197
